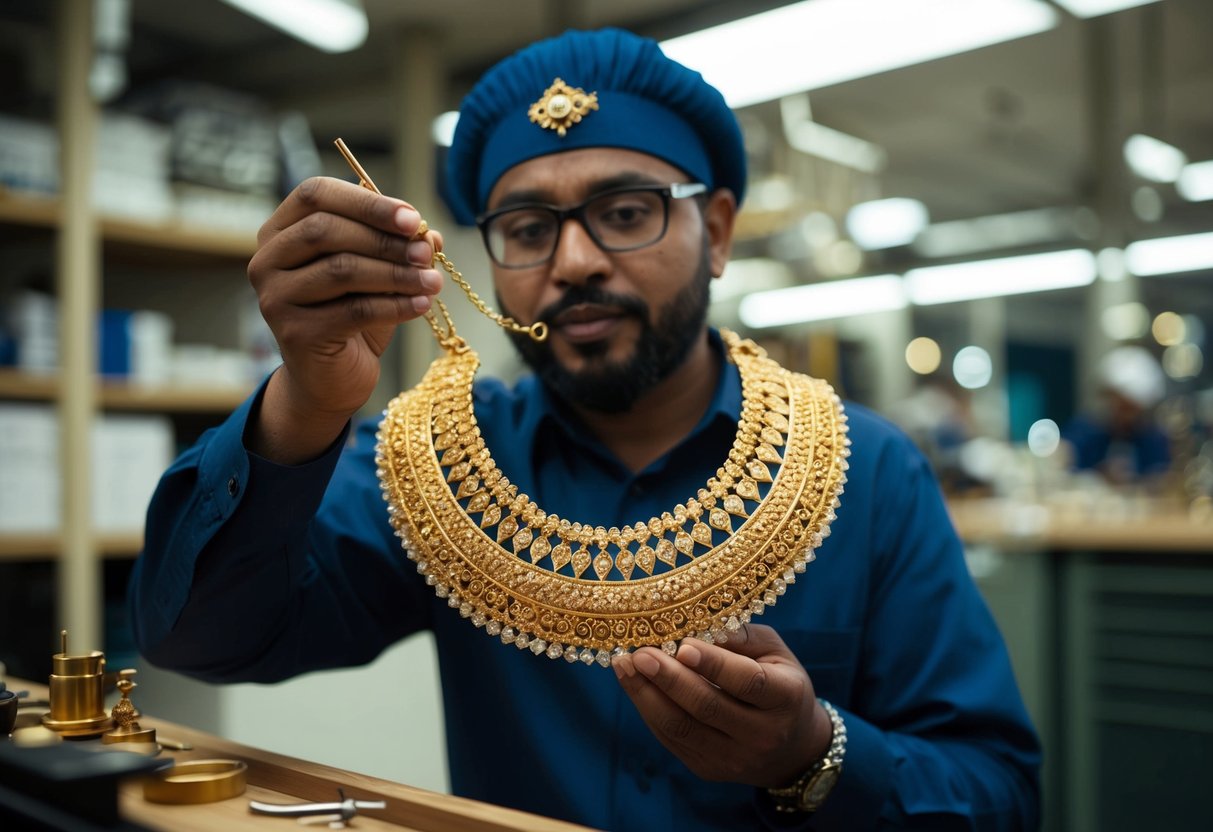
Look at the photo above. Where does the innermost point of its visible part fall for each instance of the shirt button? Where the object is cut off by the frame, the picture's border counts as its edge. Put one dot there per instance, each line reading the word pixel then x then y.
pixel 233 487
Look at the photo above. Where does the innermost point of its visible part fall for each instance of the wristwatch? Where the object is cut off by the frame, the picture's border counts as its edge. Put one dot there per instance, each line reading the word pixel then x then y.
pixel 812 788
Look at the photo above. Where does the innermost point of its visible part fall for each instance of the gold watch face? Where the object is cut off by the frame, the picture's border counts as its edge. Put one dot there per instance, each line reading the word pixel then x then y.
pixel 819 786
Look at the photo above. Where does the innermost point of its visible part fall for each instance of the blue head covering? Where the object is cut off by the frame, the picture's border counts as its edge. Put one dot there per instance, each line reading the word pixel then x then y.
pixel 646 102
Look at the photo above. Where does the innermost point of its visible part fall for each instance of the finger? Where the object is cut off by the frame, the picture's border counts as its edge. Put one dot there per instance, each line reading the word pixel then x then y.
pixel 761 684
pixel 758 641
pixel 325 194
pixel 706 703
pixel 348 315
pixel 676 728
pixel 335 275
pixel 321 233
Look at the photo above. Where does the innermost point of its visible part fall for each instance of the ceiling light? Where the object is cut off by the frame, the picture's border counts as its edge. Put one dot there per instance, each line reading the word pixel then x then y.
pixel 807 136
pixel 1094 8
pixel 923 355
pixel 442 129
pixel 1195 182
pixel 817 43
pixel 1005 276
pixel 1153 159
pixel 972 368
pixel 752 274
pixel 1170 255
pixel 958 238
pixel 1044 437
pixel 328 25
pixel 823 301
pixel 885 223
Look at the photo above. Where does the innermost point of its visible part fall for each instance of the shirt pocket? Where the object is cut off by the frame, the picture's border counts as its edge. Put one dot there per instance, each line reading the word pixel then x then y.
pixel 829 656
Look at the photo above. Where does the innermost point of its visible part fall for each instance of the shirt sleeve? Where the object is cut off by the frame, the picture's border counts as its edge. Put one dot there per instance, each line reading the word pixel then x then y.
pixel 243 575
pixel 937 734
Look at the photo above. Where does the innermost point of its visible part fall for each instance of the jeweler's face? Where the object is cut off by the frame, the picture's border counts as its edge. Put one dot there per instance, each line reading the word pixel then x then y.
pixel 618 322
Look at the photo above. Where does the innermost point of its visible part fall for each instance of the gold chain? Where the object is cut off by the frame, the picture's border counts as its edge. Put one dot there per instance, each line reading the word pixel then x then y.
pixel 445 331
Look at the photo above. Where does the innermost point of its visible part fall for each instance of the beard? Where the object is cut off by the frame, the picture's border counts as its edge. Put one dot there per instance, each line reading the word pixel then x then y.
pixel 615 386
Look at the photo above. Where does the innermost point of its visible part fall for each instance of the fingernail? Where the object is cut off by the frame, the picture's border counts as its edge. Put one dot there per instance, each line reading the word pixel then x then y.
pixel 430 279
pixel 617 666
pixel 646 664
pixel 421 304
pixel 406 219
pixel 689 655
pixel 420 253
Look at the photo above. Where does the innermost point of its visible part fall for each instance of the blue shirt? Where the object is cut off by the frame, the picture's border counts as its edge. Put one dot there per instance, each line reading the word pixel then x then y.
pixel 257 572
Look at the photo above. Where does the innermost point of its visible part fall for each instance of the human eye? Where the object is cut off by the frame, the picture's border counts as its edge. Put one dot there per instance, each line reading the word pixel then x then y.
pixel 629 209
pixel 526 228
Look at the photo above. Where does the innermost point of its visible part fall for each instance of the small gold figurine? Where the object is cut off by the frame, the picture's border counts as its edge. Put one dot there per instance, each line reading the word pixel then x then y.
pixel 126 726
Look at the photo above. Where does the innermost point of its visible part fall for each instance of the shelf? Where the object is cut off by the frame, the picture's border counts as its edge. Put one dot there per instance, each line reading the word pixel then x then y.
pixel 43 211
pixel 16 385
pixel 30 546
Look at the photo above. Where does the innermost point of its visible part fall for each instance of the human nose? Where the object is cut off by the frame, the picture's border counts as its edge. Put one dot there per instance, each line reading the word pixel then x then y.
pixel 577 258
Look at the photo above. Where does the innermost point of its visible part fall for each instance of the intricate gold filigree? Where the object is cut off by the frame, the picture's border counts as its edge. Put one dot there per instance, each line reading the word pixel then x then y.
pixel 582 593
pixel 562 106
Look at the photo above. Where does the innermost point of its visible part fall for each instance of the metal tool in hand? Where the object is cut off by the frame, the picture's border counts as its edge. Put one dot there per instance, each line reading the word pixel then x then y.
pixel 335 814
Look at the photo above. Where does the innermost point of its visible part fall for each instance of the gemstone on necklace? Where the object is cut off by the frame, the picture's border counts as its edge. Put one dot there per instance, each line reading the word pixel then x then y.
pixel 748 488
pixel 468 487
pixel 479 502
pixel 646 559
pixel 561 555
pixel 757 469
pixel 522 539
pixel 768 454
pixel 702 534
pixel 771 436
pixel 540 549
pixel 506 528
pixel 459 471
pixel 581 561
pixel 734 505
pixel 666 552
pixel 719 518
pixel 624 561
pixel 492 516
pixel 684 543
pixel 602 565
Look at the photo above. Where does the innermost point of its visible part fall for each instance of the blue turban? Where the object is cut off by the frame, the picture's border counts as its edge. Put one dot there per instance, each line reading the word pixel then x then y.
pixel 646 102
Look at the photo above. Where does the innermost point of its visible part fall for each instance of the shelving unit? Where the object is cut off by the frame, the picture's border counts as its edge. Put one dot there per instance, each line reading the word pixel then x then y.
pixel 81 245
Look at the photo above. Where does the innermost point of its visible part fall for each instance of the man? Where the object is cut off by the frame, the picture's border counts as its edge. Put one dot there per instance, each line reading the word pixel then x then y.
pixel 876 694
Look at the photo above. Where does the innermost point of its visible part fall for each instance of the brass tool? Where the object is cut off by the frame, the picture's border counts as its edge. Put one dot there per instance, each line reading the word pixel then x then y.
pixel 445 331
pixel 77 693
pixel 197 781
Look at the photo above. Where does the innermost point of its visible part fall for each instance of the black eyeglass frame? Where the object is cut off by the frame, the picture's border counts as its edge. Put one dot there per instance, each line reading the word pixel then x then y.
pixel 675 190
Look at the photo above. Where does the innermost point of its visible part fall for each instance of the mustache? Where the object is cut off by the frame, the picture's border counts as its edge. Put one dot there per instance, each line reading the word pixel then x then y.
pixel 577 295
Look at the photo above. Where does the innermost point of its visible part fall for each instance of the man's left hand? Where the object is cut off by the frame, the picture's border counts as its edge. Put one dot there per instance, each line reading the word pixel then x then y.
pixel 741 712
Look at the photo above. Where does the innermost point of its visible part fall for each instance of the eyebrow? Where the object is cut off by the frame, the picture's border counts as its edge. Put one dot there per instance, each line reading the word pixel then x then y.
pixel 610 183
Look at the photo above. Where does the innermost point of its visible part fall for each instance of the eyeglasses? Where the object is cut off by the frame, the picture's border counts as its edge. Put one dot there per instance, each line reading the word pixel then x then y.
pixel 522 236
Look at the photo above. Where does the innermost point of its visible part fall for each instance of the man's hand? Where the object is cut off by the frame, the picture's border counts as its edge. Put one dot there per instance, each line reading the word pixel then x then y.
pixel 742 712
pixel 335 273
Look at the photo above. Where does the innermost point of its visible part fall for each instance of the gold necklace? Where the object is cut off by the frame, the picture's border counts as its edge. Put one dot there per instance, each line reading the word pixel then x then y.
pixel 585 593
pixel 573 591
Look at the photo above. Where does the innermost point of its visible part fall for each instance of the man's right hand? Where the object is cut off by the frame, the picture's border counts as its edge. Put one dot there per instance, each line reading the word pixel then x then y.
pixel 335 272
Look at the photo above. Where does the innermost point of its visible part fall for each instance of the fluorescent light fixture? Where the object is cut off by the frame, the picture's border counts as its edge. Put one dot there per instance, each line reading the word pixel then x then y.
pixel 328 25
pixel 750 275
pixel 958 238
pixel 818 43
pixel 1195 182
pixel 1094 8
pixel 1153 159
pixel 807 136
pixel 442 130
pixel 1170 255
pixel 885 223
pixel 1004 276
pixel 823 301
